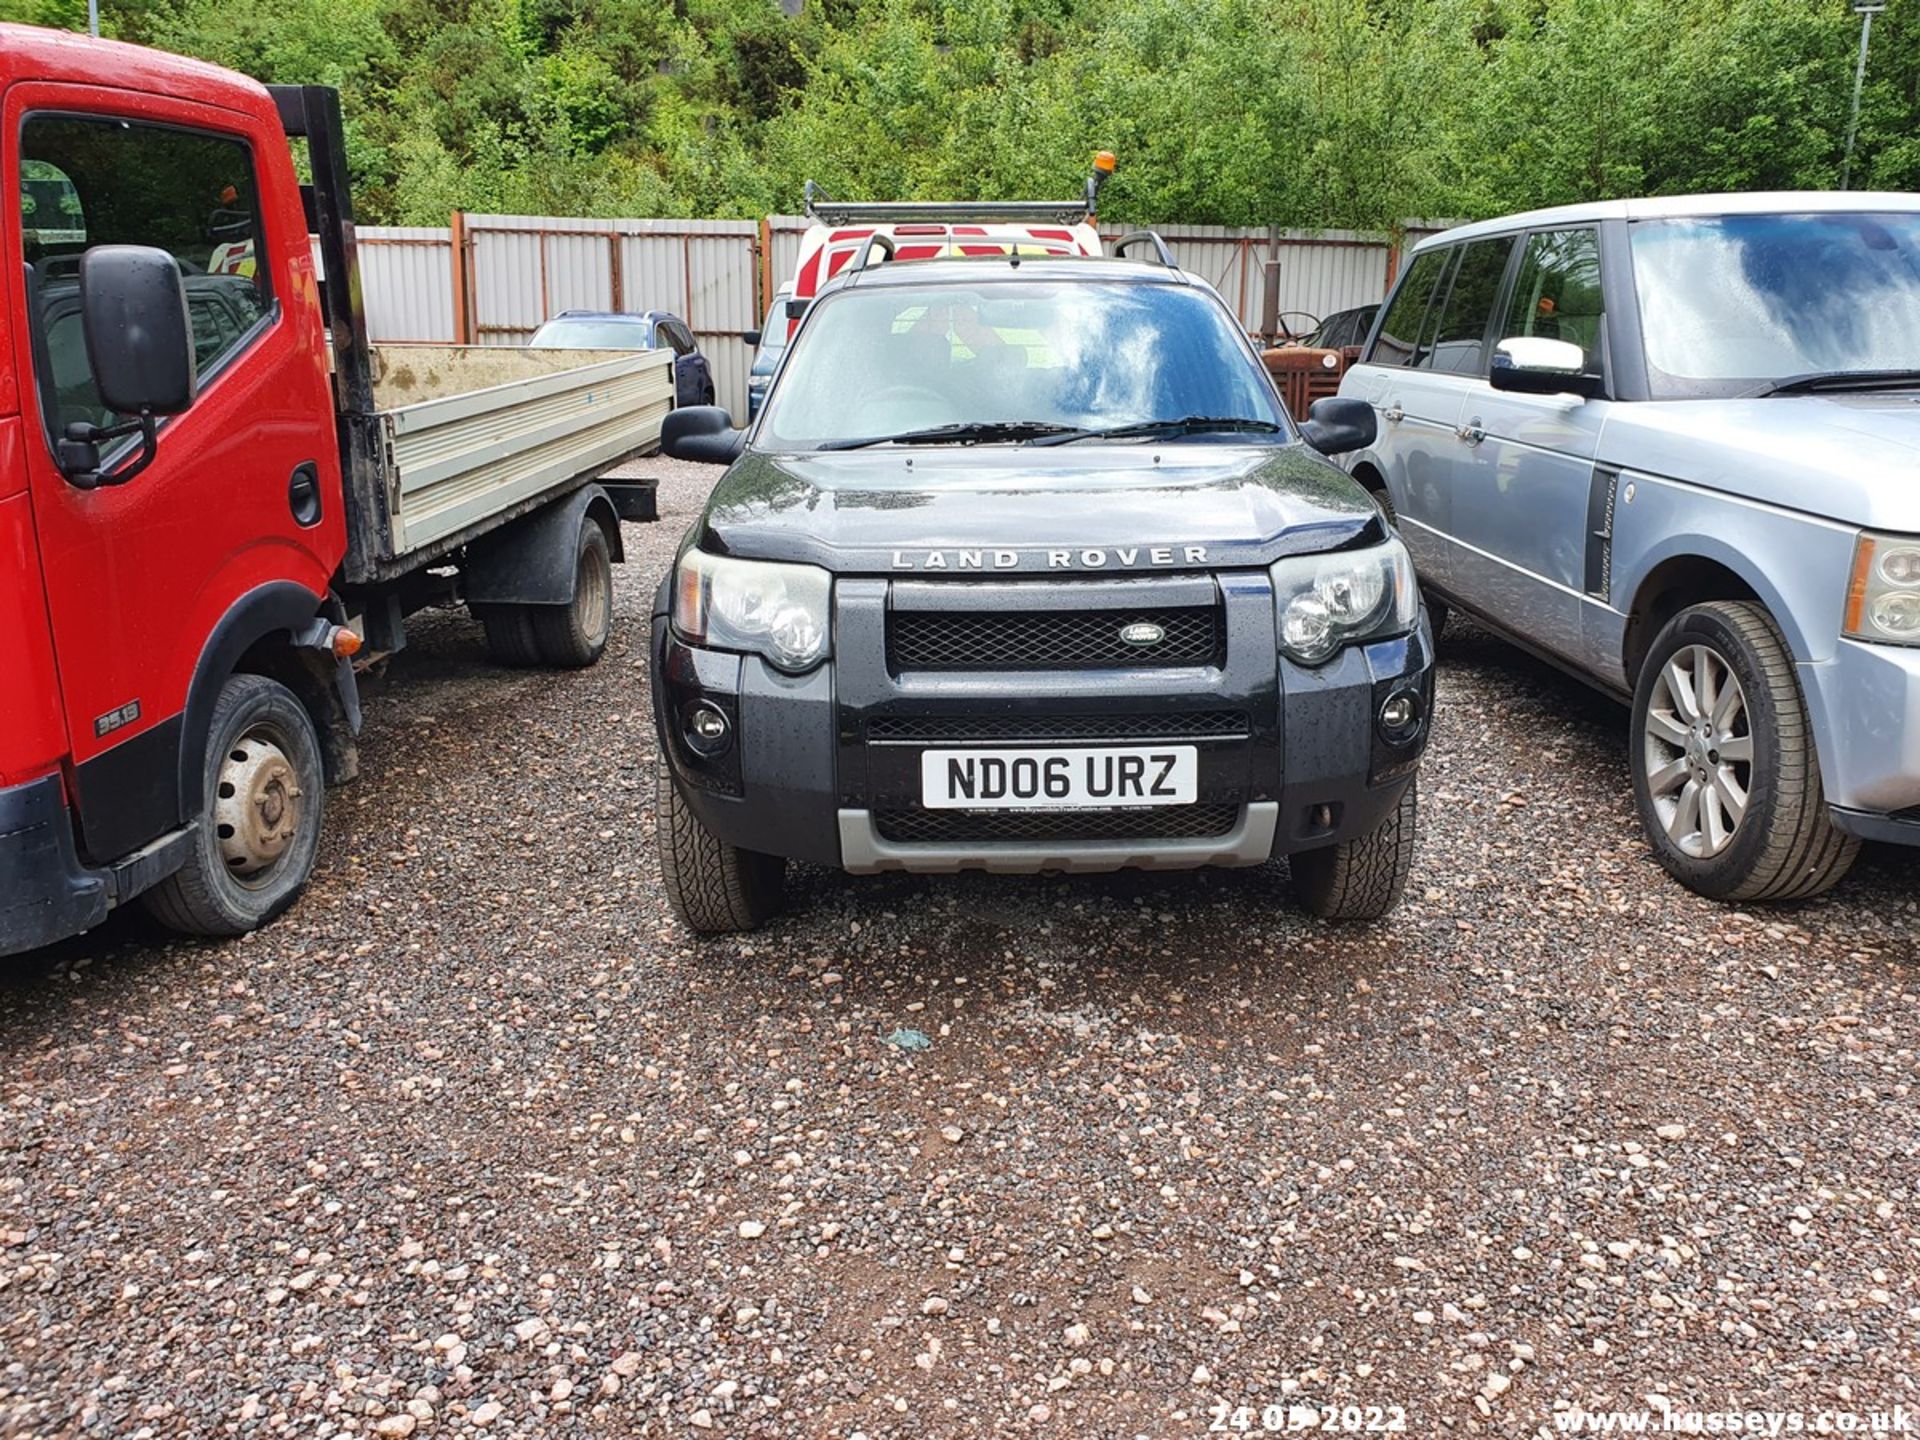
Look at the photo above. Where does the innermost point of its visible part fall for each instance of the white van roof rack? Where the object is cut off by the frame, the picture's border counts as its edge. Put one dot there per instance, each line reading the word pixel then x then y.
pixel 824 208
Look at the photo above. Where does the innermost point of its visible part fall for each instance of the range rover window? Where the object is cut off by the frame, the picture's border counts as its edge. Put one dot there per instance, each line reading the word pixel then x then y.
pixel 1031 357
pixel 1459 339
pixel 1557 292
pixel 1399 340
pixel 189 193
pixel 1739 304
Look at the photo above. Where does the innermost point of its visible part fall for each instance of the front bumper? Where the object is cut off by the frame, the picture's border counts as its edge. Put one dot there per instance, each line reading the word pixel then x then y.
pixel 1865 708
pixel 46 894
pixel 824 767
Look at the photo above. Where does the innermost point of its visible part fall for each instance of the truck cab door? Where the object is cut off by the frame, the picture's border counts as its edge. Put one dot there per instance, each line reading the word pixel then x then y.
pixel 140 575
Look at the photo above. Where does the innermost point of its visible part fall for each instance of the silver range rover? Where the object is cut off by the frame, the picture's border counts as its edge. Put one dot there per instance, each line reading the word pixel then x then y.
pixel 1674 446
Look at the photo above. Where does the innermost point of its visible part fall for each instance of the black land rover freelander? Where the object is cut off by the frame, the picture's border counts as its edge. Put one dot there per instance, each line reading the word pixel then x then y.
pixel 1023 566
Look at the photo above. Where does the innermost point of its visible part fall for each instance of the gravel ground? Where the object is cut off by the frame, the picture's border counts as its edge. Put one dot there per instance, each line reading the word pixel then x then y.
pixel 479 1140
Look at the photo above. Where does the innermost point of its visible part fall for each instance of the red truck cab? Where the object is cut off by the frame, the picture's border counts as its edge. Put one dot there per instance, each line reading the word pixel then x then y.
pixel 192 495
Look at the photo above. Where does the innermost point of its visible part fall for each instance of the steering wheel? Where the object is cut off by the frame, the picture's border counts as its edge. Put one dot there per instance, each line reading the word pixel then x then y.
pixel 1287 329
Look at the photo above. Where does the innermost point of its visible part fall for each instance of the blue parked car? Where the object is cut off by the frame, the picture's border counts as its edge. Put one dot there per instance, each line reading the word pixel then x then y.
pixel 772 344
pixel 649 330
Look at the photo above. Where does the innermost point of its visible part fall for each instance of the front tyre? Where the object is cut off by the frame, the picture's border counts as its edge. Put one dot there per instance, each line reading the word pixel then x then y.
pixel 1724 769
pixel 714 887
pixel 1362 878
pixel 260 826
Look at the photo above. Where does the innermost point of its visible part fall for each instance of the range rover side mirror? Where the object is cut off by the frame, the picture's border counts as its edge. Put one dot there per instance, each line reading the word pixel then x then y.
pixel 703 434
pixel 1337 424
pixel 1536 365
pixel 139 339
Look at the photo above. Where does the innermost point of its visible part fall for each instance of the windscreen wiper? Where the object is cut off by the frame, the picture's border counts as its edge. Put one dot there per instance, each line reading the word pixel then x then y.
pixel 966 432
pixel 1185 425
pixel 1838 380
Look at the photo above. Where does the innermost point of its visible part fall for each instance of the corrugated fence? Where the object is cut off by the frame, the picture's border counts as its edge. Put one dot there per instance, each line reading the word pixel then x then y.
pixel 492 279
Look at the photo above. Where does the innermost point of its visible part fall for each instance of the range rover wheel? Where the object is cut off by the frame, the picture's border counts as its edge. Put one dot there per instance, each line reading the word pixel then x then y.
pixel 574 635
pixel 716 888
pixel 1363 878
pixel 260 828
pixel 1724 769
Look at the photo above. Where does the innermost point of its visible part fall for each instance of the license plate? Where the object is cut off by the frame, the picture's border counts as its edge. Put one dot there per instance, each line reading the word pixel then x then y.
pixel 1117 777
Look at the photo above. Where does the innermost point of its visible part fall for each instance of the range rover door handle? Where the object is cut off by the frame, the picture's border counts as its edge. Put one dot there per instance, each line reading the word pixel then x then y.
pixel 1394 414
pixel 1472 432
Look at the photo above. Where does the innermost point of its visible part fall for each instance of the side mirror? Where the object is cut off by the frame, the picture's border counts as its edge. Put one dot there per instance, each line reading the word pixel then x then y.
pixel 1535 365
pixel 752 337
pixel 703 434
pixel 797 307
pixel 1338 424
pixel 133 315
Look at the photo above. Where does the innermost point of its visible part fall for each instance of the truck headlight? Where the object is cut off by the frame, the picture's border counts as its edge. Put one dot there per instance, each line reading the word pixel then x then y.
pixel 1325 601
pixel 777 611
pixel 1883 600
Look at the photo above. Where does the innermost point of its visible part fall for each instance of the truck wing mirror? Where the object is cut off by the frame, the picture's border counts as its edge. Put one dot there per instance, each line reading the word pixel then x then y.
pixel 701 433
pixel 133 314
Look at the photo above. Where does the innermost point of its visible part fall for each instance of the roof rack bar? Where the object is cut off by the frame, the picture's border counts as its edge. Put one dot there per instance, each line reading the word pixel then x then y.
pixel 1139 237
pixel 879 238
pixel 952 212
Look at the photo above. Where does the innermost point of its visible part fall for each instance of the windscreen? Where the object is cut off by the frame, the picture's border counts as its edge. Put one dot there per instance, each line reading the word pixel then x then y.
pixel 592 335
pixel 900 358
pixel 1731 304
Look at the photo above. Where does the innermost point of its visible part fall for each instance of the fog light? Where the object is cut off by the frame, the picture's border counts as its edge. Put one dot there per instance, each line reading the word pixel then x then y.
pixel 707 726
pixel 1400 716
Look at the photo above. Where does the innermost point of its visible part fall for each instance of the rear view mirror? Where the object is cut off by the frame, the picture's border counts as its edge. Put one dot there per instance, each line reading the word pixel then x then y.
pixel 752 337
pixel 797 307
pixel 1337 424
pixel 133 309
pixel 1536 365
pixel 703 434
pixel 133 315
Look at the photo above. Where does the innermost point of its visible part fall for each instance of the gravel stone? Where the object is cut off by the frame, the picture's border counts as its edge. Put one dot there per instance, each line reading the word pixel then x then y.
pixel 308 1182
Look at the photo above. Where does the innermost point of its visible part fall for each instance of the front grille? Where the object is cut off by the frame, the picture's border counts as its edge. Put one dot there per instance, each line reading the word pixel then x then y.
pixel 951 729
pixel 1051 639
pixel 1168 822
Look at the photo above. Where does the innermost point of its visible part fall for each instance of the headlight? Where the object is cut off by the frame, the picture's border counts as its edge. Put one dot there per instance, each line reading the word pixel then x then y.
pixel 1883 600
pixel 1325 601
pixel 778 611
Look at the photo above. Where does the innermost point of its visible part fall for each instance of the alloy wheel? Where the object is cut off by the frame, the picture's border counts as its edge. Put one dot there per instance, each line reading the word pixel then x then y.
pixel 1699 751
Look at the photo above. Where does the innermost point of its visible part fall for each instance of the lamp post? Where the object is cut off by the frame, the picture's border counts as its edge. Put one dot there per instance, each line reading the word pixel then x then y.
pixel 1866 10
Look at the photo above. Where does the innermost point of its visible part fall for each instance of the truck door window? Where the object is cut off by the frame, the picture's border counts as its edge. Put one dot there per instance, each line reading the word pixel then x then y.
pixel 1400 333
pixel 1557 292
pixel 1459 340
pixel 115 182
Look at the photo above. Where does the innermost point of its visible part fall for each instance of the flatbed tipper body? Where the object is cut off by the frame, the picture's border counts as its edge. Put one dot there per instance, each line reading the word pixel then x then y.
pixel 218 499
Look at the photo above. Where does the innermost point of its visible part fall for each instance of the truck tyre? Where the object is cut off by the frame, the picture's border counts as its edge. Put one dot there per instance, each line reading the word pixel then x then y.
pixel 574 635
pixel 260 827
pixel 1724 769
pixel 1362 878
pixel 714 887
pixel 510 635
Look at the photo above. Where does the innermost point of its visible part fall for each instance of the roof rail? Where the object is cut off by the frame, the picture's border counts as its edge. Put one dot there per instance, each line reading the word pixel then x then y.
pixel 880 238
pixel 1148 237
pixel 828 211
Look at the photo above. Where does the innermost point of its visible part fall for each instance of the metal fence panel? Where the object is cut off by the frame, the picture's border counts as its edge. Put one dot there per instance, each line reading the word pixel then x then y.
pixel 406 281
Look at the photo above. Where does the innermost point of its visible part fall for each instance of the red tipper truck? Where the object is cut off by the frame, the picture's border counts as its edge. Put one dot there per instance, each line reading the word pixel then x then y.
pixel 214 492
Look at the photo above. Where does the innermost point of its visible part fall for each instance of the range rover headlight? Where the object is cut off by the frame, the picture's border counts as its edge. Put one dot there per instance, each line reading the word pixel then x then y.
pixel 1883 599
pixel 1323 602
pixel 774 610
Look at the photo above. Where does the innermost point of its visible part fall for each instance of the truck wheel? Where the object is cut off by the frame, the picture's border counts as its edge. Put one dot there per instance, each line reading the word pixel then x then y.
pixel 716 888
pixel 1724 769
pixel 1363 878
pixel 260 828
pixel 574 635
pixel 510 635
